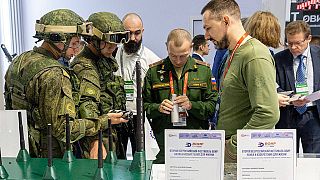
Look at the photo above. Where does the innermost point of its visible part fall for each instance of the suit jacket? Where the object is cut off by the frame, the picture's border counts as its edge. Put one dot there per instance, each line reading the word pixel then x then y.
pixel 196 56
pixel 217 61
pixel 286 82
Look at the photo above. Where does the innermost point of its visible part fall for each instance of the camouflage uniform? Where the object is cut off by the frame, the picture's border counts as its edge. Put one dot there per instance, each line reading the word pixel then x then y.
pixel 100 90
pixel 38 83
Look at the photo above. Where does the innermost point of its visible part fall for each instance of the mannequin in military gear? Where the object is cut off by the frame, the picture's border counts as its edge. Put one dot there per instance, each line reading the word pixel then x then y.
pixel 38 83
pixel 100 90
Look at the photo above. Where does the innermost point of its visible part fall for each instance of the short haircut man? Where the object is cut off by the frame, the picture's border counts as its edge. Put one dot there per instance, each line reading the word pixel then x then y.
pixel 157 92
pixel 299 66
pixel 200 47
pixel 249 98
pixel 127 56
pixel 197 41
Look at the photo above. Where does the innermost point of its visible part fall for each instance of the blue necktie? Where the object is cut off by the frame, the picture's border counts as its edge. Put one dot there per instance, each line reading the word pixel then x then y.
pixel 301 78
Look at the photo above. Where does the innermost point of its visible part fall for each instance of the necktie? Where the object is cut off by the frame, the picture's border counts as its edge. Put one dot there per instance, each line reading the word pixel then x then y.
pixel 301 78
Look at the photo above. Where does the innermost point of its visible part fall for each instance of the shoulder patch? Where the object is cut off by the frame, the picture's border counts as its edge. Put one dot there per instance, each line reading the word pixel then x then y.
pixel 202 63
pixel 156 63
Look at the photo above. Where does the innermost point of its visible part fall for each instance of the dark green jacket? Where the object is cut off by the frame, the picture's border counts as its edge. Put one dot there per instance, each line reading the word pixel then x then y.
pixel 199 91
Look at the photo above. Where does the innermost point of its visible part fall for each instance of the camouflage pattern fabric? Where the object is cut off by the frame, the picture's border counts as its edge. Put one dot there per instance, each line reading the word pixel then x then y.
pixel 106 22
pixel 98 82
pixel 61 17
pixel 100 89
pixel 98 85
pixel 39 84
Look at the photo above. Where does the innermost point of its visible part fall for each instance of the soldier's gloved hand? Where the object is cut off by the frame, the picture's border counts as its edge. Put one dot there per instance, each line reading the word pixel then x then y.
pixel 183 101
pixel 116 118
pixel 166 106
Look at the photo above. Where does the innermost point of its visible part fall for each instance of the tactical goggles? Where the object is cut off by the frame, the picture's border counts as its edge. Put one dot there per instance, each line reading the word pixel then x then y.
pixel 112 37
pixel 84 29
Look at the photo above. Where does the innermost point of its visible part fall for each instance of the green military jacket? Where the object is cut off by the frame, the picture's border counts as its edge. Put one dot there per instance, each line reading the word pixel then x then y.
pixel 199 91
pixel 100 90
pixel 98 84
pixel 38 83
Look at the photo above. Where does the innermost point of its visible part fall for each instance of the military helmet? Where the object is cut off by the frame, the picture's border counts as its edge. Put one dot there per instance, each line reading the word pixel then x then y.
pixel 58 25
pixel 108 27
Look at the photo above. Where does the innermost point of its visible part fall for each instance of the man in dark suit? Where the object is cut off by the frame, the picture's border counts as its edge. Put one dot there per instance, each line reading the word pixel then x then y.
pixel 298 70
pixel 200 47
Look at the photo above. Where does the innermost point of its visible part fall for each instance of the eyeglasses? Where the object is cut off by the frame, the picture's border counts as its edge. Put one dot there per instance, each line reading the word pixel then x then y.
pixel 297 43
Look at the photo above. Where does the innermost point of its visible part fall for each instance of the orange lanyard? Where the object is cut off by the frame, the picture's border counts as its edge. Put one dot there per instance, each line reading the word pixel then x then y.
pixel 232 54
pixel 185 84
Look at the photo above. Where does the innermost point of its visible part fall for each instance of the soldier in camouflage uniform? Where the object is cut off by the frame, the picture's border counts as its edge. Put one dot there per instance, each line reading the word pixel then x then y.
pixel 178 74
pixel 38 83
pixel 100 89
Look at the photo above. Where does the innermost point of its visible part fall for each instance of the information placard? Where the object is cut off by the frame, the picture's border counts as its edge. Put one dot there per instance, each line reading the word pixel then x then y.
pixel 266 154
pixel 194 154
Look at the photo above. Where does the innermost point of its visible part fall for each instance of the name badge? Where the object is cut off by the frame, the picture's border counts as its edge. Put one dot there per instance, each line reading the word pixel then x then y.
pixel 302 89
pixel 129 89
pixel 182 118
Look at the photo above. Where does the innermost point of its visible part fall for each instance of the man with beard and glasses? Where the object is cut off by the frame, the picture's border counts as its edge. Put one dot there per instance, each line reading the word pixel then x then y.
pixel 247 93
pixel 127 56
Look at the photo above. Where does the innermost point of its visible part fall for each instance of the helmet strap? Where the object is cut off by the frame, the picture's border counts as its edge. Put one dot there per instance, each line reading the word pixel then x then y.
pixel 50 46
pixel 66 46
pixel 96 45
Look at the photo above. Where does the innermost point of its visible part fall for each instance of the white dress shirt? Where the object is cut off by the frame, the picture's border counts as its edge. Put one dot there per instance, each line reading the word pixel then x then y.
pixel 146 57
pixel 309 69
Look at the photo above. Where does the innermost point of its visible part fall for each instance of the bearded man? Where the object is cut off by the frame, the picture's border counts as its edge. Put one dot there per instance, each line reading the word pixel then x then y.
pixel 127 56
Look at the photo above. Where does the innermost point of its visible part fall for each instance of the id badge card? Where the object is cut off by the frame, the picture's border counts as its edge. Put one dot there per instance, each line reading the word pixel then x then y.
pixel 182 118
pixel 129 89
pixel 302 89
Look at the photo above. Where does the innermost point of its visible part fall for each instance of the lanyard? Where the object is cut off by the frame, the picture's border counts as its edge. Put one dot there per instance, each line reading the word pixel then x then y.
pixel 214 120
pixel 185 84
pixel 134 69
pixel 232 54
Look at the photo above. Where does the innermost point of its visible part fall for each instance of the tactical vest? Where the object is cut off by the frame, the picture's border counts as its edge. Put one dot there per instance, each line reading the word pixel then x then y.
pixel 16 82
pixel 15 93
pixel 112 86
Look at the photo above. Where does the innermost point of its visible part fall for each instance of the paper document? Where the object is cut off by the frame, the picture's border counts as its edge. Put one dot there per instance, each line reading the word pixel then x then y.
pixel 266 154
pixel 294 97
pixel 286 92
pixel 314 96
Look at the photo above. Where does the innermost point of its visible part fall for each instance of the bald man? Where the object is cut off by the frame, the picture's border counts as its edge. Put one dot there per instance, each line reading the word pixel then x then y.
pixel 126 56
pixel 184 76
